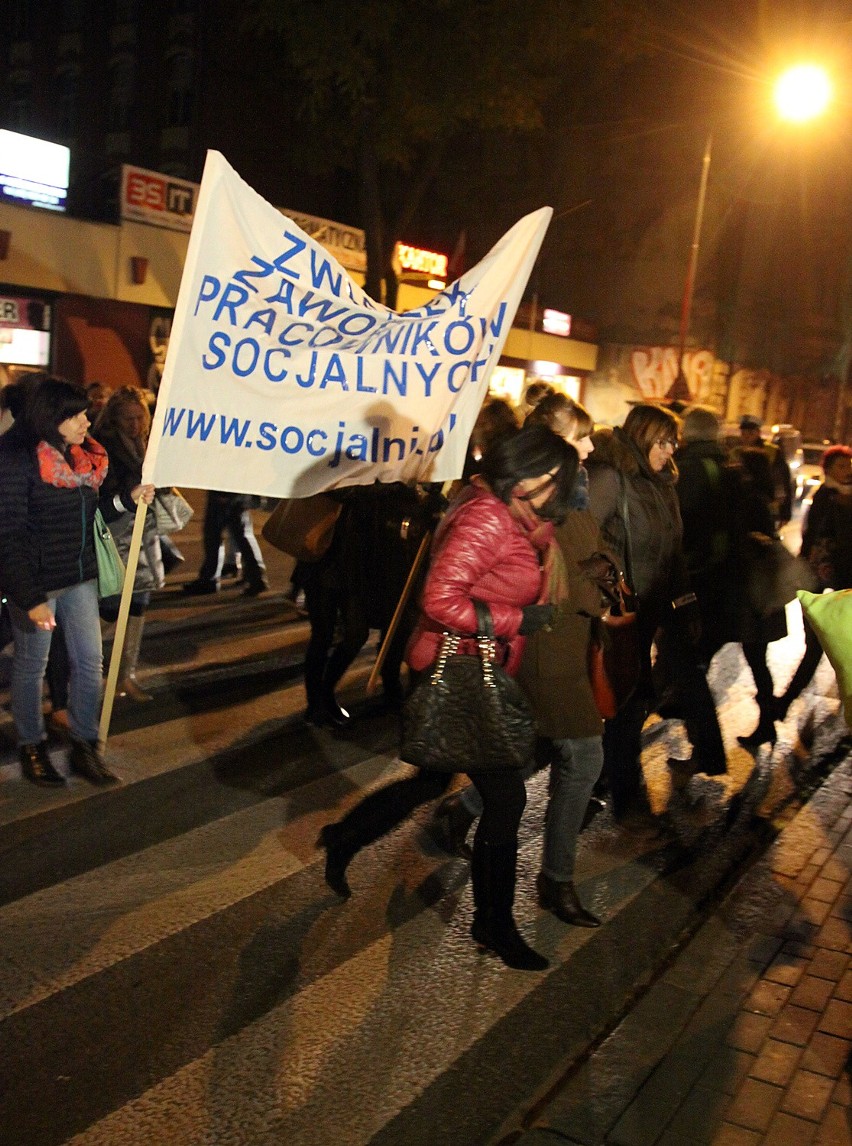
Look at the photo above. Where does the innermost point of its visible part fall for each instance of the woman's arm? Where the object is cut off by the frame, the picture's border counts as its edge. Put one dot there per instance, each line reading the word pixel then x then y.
pixel 18 578
pixel 472 548
pixel 605 495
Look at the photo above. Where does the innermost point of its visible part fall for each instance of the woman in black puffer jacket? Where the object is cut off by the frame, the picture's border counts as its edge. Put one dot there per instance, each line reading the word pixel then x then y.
pixel 632 472
pixel 50 474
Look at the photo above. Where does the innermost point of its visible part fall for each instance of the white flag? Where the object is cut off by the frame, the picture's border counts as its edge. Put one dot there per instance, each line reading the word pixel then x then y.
pixel 283 378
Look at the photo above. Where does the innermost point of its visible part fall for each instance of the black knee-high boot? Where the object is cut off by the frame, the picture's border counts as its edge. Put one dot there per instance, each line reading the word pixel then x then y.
pixel 493 872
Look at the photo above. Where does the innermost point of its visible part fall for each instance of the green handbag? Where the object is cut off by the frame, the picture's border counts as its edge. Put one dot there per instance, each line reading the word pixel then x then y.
pixel 110 565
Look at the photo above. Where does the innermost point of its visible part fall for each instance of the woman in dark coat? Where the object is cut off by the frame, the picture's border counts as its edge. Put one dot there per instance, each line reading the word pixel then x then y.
pixel 50 475
pixel 632 474
pixel 494 545
pixel 757 627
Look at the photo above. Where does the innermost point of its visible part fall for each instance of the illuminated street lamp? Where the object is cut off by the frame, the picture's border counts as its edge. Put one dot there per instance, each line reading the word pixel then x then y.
pixel 802 93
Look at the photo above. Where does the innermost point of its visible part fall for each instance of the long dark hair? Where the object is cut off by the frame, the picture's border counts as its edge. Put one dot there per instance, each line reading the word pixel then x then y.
pixel 48 401
pixel 532 452
pixel 647 423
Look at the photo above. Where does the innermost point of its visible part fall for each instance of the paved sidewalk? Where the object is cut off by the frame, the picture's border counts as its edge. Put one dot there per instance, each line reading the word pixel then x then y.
pixel 745 1040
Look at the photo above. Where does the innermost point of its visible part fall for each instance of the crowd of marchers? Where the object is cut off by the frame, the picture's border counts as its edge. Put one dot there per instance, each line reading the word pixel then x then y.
pixel 529 552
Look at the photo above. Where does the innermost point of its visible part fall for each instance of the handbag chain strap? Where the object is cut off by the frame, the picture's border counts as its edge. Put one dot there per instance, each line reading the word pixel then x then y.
pixel 485 643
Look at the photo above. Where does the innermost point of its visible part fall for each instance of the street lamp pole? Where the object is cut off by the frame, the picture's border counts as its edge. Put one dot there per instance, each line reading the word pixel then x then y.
pixel 689 284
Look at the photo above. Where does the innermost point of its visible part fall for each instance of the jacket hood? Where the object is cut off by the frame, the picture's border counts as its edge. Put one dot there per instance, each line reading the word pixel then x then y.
pixel 614 448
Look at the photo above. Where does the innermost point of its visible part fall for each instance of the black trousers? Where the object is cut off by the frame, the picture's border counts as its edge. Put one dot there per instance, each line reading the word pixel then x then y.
pixel 336 612
pixel 503 796
pixel 622 737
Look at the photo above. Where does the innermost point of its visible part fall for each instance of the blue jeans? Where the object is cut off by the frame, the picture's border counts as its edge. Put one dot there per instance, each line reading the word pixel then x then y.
pixel 573 775
pixel 76 610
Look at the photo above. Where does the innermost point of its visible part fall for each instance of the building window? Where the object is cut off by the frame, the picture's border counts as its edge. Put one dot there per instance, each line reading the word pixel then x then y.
pixel 180 96
pixel 121 93
pixel 68 82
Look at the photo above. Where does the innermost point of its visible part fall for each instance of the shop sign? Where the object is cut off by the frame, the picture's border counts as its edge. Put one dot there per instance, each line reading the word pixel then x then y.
pixel 156 199
pixel 24 331
pixel 33 171
pixel 556 322
pixel 346 244
pixel 422 262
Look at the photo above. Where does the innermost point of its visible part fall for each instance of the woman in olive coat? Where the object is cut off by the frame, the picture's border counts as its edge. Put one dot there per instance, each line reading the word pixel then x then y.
pixel 555 677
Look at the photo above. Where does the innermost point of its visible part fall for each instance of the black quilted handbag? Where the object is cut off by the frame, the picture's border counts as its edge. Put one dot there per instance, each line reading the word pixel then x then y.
pixel 468 714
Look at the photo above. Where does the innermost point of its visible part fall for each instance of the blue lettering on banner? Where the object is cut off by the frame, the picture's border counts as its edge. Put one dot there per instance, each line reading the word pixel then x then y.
pixel 197 423
pixel 244 275
pixel 297 245
pixel 351 445
pixel 232 297
pixel 210 287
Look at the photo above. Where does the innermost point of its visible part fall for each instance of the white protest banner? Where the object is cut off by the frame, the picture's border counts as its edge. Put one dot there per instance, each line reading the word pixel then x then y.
pixel 283 378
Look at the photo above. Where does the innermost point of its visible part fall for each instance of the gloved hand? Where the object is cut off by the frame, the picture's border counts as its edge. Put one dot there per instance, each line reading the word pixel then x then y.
pixel 600 569
pixel 536 617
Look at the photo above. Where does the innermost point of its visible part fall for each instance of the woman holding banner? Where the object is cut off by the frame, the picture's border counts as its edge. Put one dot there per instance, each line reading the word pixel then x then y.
pixel 494 545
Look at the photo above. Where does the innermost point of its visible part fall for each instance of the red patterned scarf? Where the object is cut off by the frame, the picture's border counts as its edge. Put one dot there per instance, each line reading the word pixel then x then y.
pixel 540 534
pixel 80 465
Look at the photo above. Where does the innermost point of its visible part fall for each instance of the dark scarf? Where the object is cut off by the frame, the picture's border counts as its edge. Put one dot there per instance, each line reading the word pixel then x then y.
pixel 580 492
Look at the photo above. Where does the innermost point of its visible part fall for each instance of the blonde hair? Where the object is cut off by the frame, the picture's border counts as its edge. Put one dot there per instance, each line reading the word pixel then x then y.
pixel 558 407
pixel 110 419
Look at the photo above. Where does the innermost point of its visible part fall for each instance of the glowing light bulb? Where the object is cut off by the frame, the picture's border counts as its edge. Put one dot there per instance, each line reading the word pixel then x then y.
pixel 802 93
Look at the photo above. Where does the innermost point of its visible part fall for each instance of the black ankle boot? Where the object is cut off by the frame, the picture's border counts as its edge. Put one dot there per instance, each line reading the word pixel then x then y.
pixel 453 821
pixel 561 900
pixel 85 759
pixel 337 857
pixel 37 767
pixel 507 943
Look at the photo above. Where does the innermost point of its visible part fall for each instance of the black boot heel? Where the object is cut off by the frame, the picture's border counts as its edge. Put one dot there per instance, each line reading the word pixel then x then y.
pixel 336 862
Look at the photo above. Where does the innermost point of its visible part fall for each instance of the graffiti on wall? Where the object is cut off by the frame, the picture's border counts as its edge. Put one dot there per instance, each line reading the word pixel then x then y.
pixel 654 369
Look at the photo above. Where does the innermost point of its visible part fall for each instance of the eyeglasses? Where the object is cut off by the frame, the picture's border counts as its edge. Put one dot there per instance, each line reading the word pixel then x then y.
pixel 666 443
pixel 539 489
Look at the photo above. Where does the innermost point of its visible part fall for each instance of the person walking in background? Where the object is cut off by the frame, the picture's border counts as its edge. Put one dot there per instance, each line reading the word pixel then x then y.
pixel 229 512
pixel 632 478
pixel 751 437
pixel 757 627
pixel 827 547
pixel 355 587
pixel 708 494
pixel 492 546
pixel 122 429
pixel 50 475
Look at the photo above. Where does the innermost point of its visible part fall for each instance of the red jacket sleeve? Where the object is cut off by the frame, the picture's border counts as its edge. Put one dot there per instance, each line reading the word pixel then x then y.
pixel 472 549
